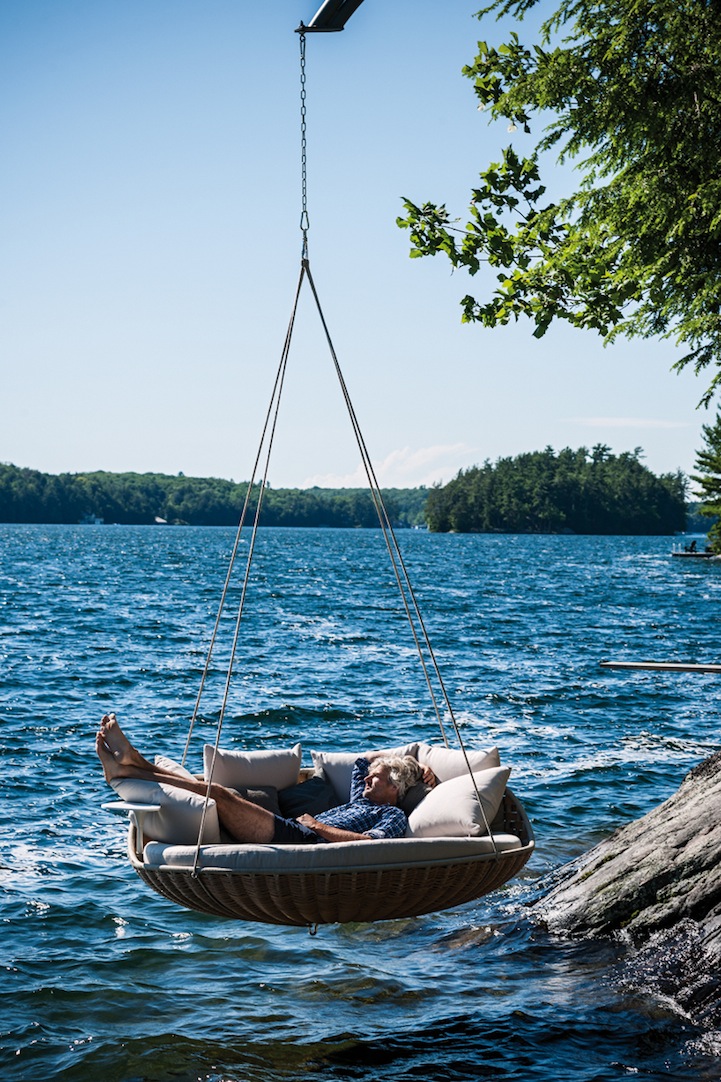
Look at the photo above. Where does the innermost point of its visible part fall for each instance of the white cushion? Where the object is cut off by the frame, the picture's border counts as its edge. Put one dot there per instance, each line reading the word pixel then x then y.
pixel 451 810
pixel 447 763
pixel 337 766
pixel 252 769
pixel 333 856
pixel 180 815
pixel 176 768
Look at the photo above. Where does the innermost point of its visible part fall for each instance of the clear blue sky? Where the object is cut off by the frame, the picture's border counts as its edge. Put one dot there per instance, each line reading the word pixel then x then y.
pixel 150 195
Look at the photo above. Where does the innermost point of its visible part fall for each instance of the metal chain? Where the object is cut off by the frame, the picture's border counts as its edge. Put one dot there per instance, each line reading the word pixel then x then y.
pixel 304 219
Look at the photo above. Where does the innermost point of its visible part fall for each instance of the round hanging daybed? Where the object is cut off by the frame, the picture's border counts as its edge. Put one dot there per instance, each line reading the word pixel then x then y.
pixel 337 883
pixel 333 882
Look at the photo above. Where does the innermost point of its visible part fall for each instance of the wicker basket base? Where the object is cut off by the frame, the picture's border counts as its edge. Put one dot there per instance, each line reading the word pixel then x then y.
pixel 329 898
pixel 368 894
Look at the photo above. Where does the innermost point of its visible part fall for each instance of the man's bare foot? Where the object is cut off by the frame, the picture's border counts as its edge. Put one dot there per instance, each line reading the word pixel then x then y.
pixel 111 767
pixel 117 742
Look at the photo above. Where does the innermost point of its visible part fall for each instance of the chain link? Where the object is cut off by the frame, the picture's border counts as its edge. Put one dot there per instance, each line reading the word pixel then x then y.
pixel 304 219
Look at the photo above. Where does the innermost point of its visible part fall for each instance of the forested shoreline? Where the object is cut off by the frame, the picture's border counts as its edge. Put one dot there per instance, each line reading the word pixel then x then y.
pixel 541 492
pixel 136 499
pixel 570 492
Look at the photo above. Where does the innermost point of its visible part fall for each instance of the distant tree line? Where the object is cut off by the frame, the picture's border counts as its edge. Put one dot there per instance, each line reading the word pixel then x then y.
pixel 579 491
pixel 591 492
pixel 146 498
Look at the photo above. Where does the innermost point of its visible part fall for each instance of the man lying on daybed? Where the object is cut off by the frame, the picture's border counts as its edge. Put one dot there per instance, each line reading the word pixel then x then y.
pixel 372 812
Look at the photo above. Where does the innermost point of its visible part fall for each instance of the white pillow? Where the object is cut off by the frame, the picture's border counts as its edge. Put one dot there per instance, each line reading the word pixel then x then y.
pixel 170 764
pixel 180 815
pixel 446 763
pixel 451 809
pixel 337 766
pixel 252 769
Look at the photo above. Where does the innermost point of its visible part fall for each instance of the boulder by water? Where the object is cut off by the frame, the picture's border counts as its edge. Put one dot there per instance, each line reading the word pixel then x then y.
pixel 657 883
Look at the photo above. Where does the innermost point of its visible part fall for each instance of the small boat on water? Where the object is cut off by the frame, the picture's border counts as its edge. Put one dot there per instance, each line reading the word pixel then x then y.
pixel 691 551
pixel 705 555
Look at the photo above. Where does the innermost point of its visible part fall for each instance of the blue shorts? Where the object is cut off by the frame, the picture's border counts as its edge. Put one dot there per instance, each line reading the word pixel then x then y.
pixel 291 832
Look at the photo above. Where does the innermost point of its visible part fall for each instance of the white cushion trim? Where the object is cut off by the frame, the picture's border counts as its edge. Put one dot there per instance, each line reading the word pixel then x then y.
pixel 340 856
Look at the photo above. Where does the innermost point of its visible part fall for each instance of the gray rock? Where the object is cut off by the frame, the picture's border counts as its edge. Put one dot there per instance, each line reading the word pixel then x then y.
pixel 657 883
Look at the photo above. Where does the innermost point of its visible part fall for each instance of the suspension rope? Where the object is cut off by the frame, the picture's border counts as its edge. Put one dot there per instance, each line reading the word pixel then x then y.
pixel 408 595
pixel 277 387
pixel 304 219
pixel 399 569
pixel 267 437
pixel 415 619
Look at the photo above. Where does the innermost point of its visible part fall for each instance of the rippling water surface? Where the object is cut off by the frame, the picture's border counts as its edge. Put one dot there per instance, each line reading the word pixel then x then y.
pixel 104 980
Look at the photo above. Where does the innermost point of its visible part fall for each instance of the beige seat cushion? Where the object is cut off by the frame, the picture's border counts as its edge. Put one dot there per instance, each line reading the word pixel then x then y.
pixel 447 763
pixel 339 856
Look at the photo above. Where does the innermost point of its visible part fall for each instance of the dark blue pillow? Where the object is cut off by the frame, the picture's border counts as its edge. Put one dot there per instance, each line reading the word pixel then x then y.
pixel 313 796
pixel 264 795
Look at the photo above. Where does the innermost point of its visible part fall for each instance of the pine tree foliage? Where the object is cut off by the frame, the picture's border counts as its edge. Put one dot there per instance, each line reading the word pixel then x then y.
pixel 633 93
pixel 146 498
pixel 539 492
pixel 579 491
pixel 708 462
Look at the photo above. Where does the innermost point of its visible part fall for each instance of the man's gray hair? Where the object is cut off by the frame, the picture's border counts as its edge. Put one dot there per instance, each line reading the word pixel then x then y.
pixel 403 772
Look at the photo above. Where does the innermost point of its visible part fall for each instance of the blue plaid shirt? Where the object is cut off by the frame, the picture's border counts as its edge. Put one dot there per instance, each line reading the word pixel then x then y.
pixel 362 815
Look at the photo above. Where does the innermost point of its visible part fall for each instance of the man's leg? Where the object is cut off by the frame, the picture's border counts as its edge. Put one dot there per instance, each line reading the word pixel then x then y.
pixel 245 822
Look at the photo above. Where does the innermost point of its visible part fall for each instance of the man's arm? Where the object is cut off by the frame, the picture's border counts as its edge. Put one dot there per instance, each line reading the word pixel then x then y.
pixel 360 769
pixel 332 834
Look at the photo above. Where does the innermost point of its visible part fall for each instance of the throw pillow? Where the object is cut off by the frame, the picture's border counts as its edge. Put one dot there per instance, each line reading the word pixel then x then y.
pixel 447 763
pixel 251 769
pixel 178 821
pixel 451 810
pixel 312 796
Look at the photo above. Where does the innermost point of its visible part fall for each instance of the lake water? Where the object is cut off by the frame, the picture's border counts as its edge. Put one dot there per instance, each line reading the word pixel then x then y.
pixel 105 980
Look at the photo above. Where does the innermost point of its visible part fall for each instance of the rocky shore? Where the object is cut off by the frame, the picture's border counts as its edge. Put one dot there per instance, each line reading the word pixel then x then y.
pixel 656 883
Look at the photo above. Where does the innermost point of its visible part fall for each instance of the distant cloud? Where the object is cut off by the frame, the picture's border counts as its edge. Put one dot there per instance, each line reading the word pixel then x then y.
pixel 628 422
pixel 405 468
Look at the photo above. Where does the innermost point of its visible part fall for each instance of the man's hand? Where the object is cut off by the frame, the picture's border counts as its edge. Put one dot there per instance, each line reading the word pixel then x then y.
pixel 429 777
pixel 308 821
pixel 329 833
